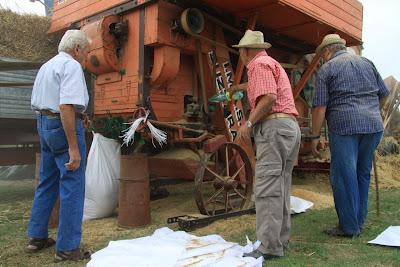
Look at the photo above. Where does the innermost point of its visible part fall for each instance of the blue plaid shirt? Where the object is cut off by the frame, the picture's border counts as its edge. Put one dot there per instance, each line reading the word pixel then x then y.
pixel 350 87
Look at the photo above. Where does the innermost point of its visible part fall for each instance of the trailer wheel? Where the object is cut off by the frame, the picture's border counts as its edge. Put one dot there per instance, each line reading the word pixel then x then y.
pixel 224 180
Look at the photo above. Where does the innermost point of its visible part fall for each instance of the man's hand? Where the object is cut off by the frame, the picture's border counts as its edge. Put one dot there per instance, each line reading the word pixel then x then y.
pixel 233 88
pixel 314 148
pixel 67 113
pixel 74 159
pixel 237 87
pixel 243 134
pixel 87 123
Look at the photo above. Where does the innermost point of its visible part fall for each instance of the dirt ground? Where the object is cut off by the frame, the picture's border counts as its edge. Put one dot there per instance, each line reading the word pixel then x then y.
pixel 16 197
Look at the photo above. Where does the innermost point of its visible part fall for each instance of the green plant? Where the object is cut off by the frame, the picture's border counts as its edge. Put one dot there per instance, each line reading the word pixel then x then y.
pixel 110 126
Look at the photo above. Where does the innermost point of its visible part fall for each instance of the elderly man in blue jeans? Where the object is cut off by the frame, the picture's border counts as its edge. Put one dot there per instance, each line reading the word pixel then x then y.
pixel 349 94
pixel 60 97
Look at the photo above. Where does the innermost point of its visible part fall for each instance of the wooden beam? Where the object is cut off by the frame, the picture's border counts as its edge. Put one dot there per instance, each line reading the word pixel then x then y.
pixel 306 76
pixel 240 66
pixel 291 27
pixel 281 40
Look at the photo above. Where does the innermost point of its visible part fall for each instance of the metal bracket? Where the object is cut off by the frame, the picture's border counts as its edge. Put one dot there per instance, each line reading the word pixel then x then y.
pixel 190 222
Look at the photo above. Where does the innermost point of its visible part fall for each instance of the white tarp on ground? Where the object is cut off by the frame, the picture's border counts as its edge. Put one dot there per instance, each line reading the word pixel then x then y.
pixel 166 248
pixel 389 237
pixel 299 205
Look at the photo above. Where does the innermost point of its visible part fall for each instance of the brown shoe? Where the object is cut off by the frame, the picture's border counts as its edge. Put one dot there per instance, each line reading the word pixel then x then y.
pixel 37 244
pixel 73 255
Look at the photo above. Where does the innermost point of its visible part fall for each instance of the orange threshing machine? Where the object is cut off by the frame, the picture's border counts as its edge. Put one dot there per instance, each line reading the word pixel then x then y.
pixel 170 57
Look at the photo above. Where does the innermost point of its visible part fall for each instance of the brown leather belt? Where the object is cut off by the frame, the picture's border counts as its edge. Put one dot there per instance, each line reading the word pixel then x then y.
pixel 57 115
pixel 279 116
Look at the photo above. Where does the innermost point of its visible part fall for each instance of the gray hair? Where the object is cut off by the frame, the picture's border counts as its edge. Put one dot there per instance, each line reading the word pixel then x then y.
pixel 72 38
pixel 334 48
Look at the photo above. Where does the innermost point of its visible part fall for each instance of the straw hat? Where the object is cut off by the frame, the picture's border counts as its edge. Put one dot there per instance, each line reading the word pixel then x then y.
pixel 253 39
pixel 328 40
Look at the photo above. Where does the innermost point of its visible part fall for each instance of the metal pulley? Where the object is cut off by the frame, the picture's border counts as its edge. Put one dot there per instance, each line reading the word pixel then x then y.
pixel 103 57
pixel 192 21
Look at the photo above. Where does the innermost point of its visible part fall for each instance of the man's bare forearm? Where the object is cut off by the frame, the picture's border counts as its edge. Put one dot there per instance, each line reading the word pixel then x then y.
pixel 67 113
pixel 262 108
pixel 318 117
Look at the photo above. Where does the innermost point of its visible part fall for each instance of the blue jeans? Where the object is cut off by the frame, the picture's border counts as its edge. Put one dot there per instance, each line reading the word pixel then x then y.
pixel 56 181
pixel 350 175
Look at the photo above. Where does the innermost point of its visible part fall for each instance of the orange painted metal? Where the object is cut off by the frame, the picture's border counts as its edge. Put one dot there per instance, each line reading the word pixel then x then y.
pixel 182 168
pixel 116 89
pixel 67 12
pixel 102 57
pixel 176 57
pixel 110 77
pixel 307 20
pixel 212 144
pixel 118 92
pixel 166 65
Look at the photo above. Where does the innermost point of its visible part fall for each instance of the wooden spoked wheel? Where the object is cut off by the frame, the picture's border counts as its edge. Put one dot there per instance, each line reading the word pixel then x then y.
pixel 224 181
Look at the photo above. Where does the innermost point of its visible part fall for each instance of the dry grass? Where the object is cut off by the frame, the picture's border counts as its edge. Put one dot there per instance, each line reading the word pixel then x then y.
pixel 16 199
pixel 313 187
pixel 388 171
pixel 24 37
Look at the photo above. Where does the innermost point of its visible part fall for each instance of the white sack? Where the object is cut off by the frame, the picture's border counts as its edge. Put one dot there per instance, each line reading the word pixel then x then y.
pixel 102 173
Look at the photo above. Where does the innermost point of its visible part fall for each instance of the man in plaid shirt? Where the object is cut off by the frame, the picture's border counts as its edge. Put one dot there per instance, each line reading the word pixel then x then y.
pixel 349 94
pixel 277 138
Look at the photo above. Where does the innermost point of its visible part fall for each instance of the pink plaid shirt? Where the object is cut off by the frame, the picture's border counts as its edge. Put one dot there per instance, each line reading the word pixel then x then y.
pixel 266 76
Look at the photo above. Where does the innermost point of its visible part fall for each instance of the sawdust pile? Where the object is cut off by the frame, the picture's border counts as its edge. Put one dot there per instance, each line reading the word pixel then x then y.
pixel 313 187
pixel 179 154
pixel 24 37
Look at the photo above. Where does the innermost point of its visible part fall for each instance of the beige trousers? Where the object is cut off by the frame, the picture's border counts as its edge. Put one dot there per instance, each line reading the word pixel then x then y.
pixel 278 143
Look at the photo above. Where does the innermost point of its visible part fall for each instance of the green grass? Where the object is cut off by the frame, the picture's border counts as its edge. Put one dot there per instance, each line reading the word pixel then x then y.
pixel 308 245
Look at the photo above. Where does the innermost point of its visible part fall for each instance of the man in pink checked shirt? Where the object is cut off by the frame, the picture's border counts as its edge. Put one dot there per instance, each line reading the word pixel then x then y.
pixel 277 138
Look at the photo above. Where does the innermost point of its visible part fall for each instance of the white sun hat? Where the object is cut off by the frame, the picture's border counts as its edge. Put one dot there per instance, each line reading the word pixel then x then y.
pixel 328 40
pixel 253 39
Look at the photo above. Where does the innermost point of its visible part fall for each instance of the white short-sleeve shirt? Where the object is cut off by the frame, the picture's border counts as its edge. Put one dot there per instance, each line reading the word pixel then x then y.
pixel 60 81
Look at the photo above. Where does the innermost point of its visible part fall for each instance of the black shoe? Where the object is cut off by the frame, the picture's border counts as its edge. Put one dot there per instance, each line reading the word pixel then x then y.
pixel 336 231
pixel 256 254
pixel 72 255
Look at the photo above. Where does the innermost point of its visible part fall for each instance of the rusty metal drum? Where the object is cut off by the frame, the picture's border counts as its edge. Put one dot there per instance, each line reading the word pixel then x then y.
pixel 134 191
